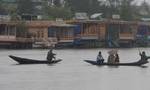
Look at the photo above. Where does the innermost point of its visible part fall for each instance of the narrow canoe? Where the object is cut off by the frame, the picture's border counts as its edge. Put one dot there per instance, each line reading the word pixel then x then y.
pixel 116 64
pixel 21 60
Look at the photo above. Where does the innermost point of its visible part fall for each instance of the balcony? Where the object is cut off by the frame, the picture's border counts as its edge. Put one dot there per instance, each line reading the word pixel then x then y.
pixel 126 36
pixel 6 38
pixel 21 39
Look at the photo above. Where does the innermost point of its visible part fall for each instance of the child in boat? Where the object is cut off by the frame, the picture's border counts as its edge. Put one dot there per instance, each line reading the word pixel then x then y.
pixel 100 58
pixel 50 55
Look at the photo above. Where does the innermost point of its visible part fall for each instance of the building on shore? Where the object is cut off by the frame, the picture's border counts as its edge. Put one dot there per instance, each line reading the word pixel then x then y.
pixel 25 34
pixel 78 33
pixel 9 36
pixel 120 33
pixel 39 33
pixel 35 34
pixel 143 34
pixel 63 33
pixel 107 33
pixel 89 33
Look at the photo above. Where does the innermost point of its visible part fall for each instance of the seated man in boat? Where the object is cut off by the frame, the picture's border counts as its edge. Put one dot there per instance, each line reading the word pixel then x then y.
pixel 117 58
pixel 143 57
pixel 100 58
pixel 50 55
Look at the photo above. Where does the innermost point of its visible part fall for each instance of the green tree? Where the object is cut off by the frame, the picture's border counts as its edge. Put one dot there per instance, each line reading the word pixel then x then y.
pixel 88 6
pixel 58 12
pixel 126 10
pixel 122 7
pixel 25 7
pixel 110 7
pixel 57 3
pixel 2 9
pixel 144 9
pixel 10 9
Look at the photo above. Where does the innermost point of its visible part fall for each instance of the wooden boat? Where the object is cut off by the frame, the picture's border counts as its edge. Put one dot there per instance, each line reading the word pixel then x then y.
pixel 31 61
pixel 116 64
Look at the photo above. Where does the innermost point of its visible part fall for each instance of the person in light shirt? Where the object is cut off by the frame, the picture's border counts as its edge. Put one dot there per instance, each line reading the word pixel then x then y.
pixel 100 58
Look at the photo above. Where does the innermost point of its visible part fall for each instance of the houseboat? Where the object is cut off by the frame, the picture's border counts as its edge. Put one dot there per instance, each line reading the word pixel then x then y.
pixel 89 33
pixel 120 33
pixel 63 33
pixel 39 33
pixel 11 37
pixel 143 34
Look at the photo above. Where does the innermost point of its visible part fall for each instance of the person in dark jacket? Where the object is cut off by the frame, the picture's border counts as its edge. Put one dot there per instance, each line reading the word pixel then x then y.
pixel 143 57
pixel 117 58
pixel 50 55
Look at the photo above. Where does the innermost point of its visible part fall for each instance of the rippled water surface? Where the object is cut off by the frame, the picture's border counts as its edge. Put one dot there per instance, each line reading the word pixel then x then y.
pixel 73 73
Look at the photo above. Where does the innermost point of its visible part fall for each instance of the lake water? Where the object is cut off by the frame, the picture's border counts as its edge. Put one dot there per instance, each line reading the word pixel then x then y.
pixel 73 73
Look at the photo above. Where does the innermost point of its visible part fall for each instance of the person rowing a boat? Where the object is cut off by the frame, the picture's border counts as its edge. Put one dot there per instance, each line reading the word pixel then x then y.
pixel 100 58
pixel 50 55
pixel 143 57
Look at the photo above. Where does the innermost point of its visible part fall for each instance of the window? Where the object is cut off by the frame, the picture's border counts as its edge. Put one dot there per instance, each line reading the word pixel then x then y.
pixel 51 32
pixel 2 29
pixel 125 29
pixel 11 30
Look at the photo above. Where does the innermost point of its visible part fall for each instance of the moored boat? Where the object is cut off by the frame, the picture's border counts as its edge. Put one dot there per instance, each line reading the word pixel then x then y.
pixel 21 60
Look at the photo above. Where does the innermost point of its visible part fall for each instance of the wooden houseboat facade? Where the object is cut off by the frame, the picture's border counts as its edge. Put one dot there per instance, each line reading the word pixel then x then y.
pixel 108 33
pixel 143 34
pixel 80 33
pixel 120 33
pixel 63 33
pixel 39 33
pixel 9 36
pixel 89 33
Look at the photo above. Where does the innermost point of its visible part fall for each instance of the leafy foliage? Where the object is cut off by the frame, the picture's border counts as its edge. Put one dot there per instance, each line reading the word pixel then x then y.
pixel 88 6
pixel 58 12
pixel 126 10
pixel 25 7
pixel 2 9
